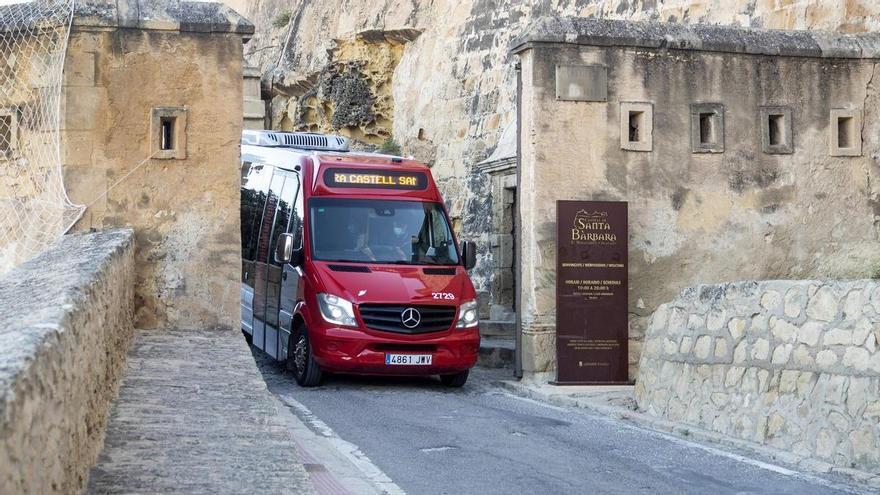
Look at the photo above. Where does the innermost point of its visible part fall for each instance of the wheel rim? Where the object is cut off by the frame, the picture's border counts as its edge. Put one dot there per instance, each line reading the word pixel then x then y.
pixel 299 354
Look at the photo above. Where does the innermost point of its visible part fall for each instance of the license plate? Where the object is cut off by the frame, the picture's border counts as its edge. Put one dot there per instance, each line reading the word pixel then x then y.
pixel 408 359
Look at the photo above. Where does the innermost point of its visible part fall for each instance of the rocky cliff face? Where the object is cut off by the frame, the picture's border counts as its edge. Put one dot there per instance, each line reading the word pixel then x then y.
pixel 437 78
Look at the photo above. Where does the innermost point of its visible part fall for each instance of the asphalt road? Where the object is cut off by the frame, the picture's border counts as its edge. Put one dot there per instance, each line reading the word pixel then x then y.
pixel 480 439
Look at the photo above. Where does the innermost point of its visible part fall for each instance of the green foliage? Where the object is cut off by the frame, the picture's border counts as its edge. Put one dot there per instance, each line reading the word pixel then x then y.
pixel 390 147
pixel 281 19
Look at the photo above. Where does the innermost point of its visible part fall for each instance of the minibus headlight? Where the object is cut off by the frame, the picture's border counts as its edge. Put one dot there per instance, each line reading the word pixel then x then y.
pixel 336 310
pixel 467 315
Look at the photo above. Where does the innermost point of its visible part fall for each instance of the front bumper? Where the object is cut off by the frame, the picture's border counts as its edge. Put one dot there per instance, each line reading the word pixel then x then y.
pixel 351 350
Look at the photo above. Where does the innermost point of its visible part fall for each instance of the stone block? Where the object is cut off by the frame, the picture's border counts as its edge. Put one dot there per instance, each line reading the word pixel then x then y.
pixel 79 69
pixel 783 330
pixel 702 347
pixel 862 330
pixel 761 349
pixel 76 148
pixel 809 333
pixel 795 300
pixel 736 327
pixel 781 354
pixel 771 300
pixel 741 353
pixel 802 356
pixel 82 108
pixel 696 324
pixel 874 364
pixel 686 343
pixel 716 319
pixel 826 443
pixel 852 305
pixel 788 381
pixel 826 358
pixel 837 336
pixel 838 421
pixel 856 357
pixel 759 325
pixel 805 383
pixel 857 395
pixel 775 424
pixel 864 445
pixel 734 375
pixel 823 304
pixel 720 347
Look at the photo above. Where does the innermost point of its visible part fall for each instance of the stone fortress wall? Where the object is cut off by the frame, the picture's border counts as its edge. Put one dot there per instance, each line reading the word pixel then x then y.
pixel 739 208
pixel 791 364
pixel 131 63
pixel 438 77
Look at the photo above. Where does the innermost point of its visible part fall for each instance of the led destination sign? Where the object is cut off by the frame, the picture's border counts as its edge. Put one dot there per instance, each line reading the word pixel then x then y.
pixel 336 177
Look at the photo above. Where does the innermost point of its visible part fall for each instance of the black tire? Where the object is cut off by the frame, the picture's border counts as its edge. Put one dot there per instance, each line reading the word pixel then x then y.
pixel 455 381
pixel 301 360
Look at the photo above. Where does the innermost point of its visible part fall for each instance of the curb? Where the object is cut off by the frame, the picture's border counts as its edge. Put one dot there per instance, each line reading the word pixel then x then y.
pixel 686 431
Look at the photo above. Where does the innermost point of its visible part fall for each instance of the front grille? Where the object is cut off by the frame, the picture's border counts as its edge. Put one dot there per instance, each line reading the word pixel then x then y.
pixel 386 318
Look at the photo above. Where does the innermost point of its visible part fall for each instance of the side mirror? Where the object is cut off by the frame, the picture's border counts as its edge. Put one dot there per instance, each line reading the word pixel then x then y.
pixel 286 253
pixel 469 254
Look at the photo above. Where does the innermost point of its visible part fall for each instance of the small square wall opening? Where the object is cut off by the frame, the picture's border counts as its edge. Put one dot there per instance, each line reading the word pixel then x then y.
pixel 707 128
pixel 166 125
pixel 168 129
pixel 774 129
pixel 8 131
pixel 776 136
pixel 636 121
pixel 636 126
pixel 845 137
pixel 845 132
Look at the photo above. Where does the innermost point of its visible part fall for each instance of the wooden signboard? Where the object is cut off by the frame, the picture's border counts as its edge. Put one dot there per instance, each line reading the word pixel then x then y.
pixel 591 292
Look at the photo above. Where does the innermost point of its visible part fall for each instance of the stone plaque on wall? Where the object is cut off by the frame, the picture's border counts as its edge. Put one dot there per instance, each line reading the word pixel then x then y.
pixel 581 83
pixel 591 292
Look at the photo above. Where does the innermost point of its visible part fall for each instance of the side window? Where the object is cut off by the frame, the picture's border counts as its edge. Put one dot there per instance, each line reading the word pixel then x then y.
pixel 253 202
pixel 295 226
pixel 442 237
pixel 286 199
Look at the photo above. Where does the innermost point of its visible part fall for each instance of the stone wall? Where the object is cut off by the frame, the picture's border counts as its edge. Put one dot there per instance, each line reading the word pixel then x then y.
pixel 742 211
pixel 124 66
pixel 790 364
pixel 65 326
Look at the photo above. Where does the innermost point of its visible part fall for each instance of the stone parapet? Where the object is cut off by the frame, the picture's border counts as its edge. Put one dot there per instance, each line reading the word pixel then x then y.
pixel 707 38
pixel 790 364
pixel 65 326
pixel 162 15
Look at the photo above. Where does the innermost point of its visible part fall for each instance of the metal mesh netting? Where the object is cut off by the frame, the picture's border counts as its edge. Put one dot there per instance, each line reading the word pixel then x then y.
pixel 34 207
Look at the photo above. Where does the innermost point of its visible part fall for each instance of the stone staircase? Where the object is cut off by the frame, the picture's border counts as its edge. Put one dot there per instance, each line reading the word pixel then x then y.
pixel 498 339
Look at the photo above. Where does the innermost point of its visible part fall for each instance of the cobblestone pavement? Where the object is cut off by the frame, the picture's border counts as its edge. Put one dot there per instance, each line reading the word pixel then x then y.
pixel 194 416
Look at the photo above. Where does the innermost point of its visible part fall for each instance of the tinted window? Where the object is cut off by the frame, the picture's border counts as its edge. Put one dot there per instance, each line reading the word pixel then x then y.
pixel 254 187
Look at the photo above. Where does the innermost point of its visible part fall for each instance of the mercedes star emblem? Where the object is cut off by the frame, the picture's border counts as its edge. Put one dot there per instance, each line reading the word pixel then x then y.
pixel 410 317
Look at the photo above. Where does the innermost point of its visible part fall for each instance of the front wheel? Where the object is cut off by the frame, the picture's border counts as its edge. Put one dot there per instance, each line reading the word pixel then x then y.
pixel 301 360
pixel 455 381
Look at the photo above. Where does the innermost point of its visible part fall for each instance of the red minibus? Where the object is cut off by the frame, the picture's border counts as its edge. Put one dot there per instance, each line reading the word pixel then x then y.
pixel 349 263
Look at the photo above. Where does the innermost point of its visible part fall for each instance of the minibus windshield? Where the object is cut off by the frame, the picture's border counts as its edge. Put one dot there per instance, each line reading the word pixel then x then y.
pixel 379 231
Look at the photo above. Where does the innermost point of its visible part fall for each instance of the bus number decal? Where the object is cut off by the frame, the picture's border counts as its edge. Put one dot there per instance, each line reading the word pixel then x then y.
pixel 443 295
